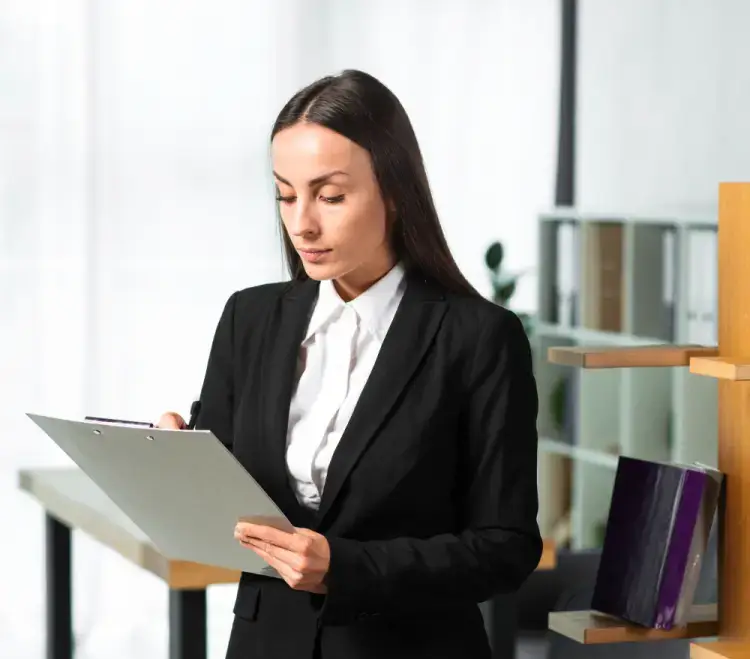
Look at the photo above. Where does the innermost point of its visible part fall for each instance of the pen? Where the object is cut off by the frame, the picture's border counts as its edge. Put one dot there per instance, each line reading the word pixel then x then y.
pixel 101 419
pixel 195 410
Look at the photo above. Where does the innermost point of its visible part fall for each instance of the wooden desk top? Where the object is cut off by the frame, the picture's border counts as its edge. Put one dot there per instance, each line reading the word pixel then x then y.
pixel 72 497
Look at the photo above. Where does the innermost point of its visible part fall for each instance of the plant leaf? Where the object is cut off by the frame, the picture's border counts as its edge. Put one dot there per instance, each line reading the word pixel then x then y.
pixel 493 257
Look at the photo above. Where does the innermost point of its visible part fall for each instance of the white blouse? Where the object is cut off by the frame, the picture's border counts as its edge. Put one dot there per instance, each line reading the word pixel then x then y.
pixel 337 354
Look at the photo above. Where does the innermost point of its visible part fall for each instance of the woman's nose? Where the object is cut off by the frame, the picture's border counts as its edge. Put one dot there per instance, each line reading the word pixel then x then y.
pixel 303 221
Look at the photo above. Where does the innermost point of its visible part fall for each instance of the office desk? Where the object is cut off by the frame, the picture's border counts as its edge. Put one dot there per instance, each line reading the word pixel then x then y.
pixel 72 501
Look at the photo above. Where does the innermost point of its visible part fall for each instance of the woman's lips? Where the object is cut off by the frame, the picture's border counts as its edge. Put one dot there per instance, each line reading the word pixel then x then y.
pixel 314 255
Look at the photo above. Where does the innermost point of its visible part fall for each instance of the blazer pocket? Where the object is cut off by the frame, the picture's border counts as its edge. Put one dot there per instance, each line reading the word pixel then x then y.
pixel 247 602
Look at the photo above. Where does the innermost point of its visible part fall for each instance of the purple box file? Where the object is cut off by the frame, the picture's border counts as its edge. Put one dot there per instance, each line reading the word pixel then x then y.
pixel 658 526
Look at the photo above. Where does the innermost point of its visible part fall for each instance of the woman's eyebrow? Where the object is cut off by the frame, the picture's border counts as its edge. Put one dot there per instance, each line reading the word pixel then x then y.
pixel 317 180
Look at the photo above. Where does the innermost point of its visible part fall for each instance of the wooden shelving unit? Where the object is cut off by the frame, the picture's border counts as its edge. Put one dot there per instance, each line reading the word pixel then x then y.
pixel 730 365
pixel 618 301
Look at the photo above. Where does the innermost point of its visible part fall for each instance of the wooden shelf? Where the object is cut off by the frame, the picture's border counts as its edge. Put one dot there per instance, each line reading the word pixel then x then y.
pixel 723 368
pixel 592 627
pixel 628 356
pixel 720 650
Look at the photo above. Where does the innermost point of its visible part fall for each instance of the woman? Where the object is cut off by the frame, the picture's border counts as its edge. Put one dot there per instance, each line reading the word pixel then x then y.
pixel 387 408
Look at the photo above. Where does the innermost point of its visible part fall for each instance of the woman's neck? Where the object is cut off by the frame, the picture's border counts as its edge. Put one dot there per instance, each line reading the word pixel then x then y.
pixel 356 282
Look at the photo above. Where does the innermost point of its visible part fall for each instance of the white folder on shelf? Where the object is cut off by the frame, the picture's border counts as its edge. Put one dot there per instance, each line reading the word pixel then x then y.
pixel 183 488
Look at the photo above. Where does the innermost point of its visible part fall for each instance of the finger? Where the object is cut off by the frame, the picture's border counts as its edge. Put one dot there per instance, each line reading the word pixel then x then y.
pixel 292 559
pixel 307 532
pixel 245 542
pixel 294 578
pixel 171 421
pixel 288 573
pixel 269 534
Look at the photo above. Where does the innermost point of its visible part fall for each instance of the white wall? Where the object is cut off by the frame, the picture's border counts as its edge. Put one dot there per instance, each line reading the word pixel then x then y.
pixel 664 96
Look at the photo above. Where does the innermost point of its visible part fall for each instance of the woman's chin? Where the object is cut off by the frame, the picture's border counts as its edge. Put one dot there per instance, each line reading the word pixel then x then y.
pixel 321 271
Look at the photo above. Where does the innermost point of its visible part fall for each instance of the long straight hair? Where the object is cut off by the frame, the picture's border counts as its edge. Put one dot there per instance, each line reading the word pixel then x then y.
pixel 362 109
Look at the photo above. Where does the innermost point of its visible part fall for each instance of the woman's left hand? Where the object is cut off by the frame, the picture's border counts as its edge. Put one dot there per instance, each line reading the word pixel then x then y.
pixel 301 558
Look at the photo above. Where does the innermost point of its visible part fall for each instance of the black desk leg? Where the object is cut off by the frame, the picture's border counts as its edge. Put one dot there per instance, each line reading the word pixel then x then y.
pixel 187 624
pixel 500 622
pixel 59 604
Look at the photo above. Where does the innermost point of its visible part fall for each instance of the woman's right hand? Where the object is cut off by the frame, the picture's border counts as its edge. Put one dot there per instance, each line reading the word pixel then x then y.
pixel 171 421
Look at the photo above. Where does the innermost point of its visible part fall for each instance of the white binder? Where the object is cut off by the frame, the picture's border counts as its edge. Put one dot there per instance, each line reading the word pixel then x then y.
pixel 182 488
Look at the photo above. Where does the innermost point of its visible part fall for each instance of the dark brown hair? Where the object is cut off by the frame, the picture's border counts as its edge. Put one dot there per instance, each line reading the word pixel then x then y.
pixel 362 109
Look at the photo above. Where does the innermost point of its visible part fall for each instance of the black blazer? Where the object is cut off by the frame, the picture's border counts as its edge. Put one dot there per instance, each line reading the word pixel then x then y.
pixel 430 502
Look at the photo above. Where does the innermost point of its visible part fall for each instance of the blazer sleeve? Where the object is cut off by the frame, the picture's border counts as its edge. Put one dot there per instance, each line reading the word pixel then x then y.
pixel 217 392
pixel 499 544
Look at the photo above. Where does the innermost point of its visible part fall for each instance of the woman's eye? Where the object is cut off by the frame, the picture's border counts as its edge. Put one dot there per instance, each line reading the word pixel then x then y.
pixel 333 200
pixel 285 200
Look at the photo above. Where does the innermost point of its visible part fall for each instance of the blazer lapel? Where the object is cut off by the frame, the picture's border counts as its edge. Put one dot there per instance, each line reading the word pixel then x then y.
pixel 285 333
pixel 406 343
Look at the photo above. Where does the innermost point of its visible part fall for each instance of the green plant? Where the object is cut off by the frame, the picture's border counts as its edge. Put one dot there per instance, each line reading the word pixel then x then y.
pixel 503 282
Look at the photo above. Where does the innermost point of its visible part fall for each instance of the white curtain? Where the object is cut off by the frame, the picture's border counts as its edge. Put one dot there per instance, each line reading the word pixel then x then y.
pixel 135 197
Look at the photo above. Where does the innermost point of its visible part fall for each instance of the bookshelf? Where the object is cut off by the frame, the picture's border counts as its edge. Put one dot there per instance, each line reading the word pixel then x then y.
pixel 727 370
pixel 619 288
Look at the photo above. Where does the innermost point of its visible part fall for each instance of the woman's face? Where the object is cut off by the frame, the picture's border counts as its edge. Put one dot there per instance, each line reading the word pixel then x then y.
pixel 331 206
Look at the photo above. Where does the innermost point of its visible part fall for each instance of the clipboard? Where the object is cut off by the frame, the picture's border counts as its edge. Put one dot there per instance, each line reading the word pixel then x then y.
pixel 183 488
